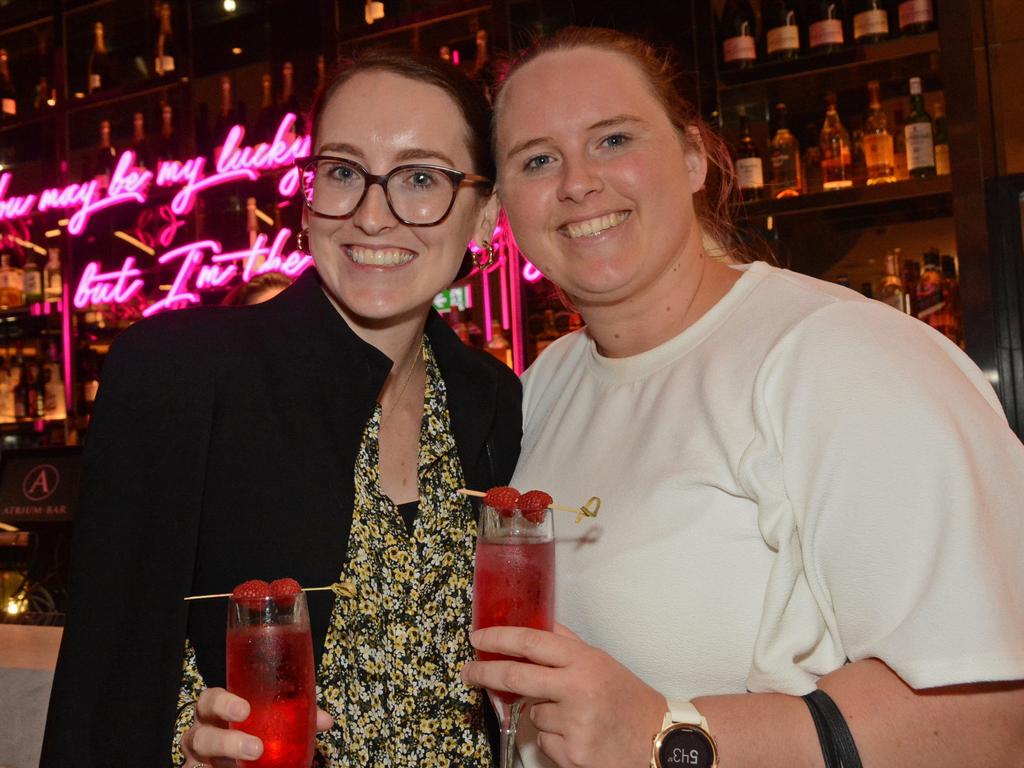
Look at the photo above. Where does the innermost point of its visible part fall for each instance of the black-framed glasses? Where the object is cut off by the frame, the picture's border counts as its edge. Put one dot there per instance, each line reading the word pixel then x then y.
pixel 418 195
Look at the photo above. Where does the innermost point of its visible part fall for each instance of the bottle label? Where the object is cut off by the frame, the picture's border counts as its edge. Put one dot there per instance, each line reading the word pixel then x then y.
pixel 750 173
pixel 878 152
pixel 33 283
pixel 827 32
pixel 785 38
pixel 920 149
pixel 868 23
pixel 164 64
pixel 54 288
pixel 915 12
pixel 95 82
pixel 739 49
pixel 9 107
pixel 942 159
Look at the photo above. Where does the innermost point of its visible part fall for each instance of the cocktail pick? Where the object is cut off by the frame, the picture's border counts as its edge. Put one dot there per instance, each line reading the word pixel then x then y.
pixel 340 588
pixel 590 509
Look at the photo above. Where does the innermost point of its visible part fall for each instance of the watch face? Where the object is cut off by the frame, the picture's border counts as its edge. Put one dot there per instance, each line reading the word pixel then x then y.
pixel 686 747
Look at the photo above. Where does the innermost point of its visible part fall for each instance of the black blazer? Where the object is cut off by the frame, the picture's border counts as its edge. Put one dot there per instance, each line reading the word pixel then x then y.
pixel 222 449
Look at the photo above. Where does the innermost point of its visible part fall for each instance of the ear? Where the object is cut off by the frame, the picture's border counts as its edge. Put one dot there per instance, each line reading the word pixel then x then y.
pixel 696 159
pixel 487 218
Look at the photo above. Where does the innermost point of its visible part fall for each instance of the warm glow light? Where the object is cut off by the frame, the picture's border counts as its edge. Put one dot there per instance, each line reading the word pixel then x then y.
pixel 14 607
pixel 137 243
pixel 237 51
pixel 264 218
pixel 51 102
pixel 52 233
pixel 31 246
pixel 230 6
pixel 79 95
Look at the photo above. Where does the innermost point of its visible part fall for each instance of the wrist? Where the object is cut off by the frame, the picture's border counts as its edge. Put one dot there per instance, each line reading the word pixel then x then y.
pixel 684 739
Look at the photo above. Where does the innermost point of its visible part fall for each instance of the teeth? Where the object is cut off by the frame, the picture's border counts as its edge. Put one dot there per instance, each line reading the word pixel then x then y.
pixel 391 257
pixel 595 226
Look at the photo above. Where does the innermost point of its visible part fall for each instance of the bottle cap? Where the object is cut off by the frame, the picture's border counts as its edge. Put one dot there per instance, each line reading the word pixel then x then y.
pixel 915 86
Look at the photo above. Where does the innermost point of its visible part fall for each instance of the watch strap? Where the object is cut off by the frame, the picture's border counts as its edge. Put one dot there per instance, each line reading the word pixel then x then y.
pixel 683 712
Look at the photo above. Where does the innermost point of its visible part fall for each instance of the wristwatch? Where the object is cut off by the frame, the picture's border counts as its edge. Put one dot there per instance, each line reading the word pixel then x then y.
pixel 684 740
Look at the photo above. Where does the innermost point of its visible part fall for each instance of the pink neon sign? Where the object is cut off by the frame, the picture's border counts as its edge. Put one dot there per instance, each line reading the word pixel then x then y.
pixel 129 184
pixel 202 265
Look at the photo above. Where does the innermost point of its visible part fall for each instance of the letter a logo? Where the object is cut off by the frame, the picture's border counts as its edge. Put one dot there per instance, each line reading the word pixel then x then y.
pixel 40 482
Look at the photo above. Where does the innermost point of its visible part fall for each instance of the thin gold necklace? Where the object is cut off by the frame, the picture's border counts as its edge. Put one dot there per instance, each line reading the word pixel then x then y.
pixel 405 386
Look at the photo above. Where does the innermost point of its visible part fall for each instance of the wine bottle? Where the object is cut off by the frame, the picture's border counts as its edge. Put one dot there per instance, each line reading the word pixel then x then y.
pixel 105 156
pixel 167 141
pixel 33 280
pixel 919 135
pixel 782 29
pixel 787 179
pixel 749 166
pixel 871 21
pixel 164 49
pixel 8 97
pixel 836 161
pixel 267 118
pixel 289 103
pixel 99 61
pixel 878 146
pixel 941 141
pixel 825 20
pixel 53 286
pixel 140 145
pixel 915 16
pixel 226 117
pixel 894 290
pixel 738 28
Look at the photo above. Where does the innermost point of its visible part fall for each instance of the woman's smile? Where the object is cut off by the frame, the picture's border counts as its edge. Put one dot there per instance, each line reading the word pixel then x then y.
pixel 593 227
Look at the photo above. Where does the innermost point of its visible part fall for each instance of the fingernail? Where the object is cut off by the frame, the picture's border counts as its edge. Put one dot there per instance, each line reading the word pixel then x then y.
pixel 252 748
pixel 238 711
pixel 473 636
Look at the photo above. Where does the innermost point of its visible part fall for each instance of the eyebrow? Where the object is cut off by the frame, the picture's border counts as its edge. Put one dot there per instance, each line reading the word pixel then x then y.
pixel 600 124
pixel 406 155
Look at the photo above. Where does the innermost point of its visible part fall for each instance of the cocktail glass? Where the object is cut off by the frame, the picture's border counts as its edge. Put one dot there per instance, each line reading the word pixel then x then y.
pixel 513 586
pixel 270 665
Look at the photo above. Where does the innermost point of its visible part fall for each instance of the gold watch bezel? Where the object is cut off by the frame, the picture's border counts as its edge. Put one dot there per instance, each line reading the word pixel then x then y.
pixel 656 761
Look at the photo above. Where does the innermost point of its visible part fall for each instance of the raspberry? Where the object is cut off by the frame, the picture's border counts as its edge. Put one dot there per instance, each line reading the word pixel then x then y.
pixel 284 590
pixel 534 505
pixel 503 498
pixel 251 591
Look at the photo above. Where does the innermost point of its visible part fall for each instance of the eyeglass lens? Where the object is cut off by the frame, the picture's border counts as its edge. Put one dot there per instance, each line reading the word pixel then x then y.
pixel 416 194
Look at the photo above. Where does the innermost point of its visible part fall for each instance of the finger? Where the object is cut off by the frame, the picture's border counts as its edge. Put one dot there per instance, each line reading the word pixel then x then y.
pixel 548 717
pixel 553 745
pixel 324 721
pixel 537 645
pixel 216 704
pixel 564 631
pixel 531 680
pixel 209 742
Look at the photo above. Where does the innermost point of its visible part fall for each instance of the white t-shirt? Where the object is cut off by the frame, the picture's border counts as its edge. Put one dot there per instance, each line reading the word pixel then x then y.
pixel 802 477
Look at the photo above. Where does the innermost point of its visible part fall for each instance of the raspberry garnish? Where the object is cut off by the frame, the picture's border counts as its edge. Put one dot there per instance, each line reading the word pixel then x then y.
pixel 534 505
pixel 503 498
pixel 251 591
pixel 284 588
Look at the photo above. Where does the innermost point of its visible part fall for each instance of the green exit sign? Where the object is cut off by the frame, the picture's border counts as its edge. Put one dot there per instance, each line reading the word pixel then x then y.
pixel 450 298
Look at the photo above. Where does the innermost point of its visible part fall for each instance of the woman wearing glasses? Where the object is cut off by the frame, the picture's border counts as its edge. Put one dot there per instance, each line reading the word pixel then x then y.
pixel 322 436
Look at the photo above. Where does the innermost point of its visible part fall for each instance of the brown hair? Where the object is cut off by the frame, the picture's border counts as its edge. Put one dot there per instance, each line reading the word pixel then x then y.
pixel 464 92
pixel 714 203
pixel 240 295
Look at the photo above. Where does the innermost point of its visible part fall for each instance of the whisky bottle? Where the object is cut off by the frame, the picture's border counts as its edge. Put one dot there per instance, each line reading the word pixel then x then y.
pixel 893 290
pixel 782 29
pixel 787 179
pixel 919 135
pixel 164 49
pixel 53 286
pixel 951 323
pixel 55 406
pixel 738 26
pixel 99 61
pixel 825 33
pixel 915 16
pixel 749 166
pixel 941 141
pixel 12 283
pixel 6 393
pixel 870 21
pixel 33 280
pixel 836 160
pixel 8 97
pixel 878 146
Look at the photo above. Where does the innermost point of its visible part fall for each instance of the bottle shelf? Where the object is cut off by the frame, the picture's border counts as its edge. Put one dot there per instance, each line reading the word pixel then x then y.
pixel 908 194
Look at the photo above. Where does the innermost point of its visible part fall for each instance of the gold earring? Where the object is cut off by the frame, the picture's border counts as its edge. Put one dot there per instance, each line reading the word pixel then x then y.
pixel 302 241
pixel 487 248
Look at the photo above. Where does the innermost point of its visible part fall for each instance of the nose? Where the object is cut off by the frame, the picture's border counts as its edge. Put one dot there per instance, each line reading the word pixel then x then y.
pixel 374 214
pixel 580 178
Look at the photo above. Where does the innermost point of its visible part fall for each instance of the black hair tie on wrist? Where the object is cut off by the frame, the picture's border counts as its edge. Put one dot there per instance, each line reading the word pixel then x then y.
pixel 837 744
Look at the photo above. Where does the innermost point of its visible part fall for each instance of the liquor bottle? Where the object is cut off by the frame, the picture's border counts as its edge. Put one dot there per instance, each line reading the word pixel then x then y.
pixel 99 61
pixel 929 286
pixel 498 345
pixel 105 156
pixel 749 166
pixel 738 28
pixel 265 124
pixel 870 21
pixel 918 132
pixel 53 286
pixel 33 277
pixel 825 33
pixel 12 283
pixel 21 392
pixel 911 273
pixel 787 177
pixel 782 29
pixel 164 49
pixel 140 144
pixel 811 160
pixel 289 103
pixel 858 165
pixel 836 161
pixel 36 391
pixel 899 146
pixel 941 141
pixel 44 97
pixel 8 97
pixel 226 117
pixel 56 408
pixel 166 145
pixel 893 290
pixel 6 393
pixel 953 321
pixel 915 16
pixel 878 146
pixel 482 60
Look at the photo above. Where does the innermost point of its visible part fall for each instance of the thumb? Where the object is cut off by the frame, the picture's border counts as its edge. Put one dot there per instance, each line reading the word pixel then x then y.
pixel 324 722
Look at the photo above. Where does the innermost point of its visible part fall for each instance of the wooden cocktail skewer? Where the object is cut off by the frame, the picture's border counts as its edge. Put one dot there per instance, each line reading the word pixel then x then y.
pixel 341 589
pixel 590 509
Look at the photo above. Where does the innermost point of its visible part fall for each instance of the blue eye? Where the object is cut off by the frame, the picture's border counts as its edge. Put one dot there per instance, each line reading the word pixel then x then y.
pixel 535 163
pixel 615 140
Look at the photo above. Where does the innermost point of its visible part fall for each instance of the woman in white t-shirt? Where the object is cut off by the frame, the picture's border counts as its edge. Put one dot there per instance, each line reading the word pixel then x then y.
pixel 803 489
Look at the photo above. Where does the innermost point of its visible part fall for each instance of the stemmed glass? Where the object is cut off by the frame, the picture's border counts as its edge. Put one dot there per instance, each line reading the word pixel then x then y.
pixel 270 665
pixel 514 586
